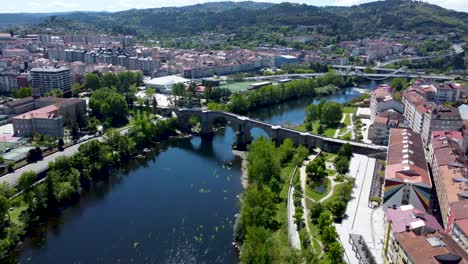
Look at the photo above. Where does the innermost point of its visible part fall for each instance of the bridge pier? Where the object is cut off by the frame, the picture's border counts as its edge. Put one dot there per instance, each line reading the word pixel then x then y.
pixel 206 125
pixel 243 137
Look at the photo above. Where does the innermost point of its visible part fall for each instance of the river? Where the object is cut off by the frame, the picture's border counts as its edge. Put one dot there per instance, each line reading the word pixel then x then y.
pixel 176 206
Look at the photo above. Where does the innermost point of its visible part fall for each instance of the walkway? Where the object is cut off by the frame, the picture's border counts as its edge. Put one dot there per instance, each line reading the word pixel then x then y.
pixel 293 234
pixel 360 219
pixel 303 179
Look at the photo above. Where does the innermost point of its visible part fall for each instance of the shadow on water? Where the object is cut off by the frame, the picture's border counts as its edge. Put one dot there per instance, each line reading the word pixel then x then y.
pixel 177 205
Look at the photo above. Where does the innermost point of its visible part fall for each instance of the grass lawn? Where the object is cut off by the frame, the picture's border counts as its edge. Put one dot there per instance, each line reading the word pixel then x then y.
pixel 350 110
pixel 237 86
pixel 301 128
pixel 347 120
pixel 336 191
pixel 18 207
pixel 317 195
pixel 329 156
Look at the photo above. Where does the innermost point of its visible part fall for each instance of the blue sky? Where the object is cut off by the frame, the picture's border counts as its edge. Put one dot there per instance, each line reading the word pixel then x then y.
pixel 117 5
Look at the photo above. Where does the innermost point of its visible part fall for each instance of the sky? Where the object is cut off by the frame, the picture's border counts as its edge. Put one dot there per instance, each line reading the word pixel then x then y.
pixel 36 6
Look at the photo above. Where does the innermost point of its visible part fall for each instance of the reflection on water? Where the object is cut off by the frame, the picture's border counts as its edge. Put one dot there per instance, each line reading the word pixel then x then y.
pixel 293 112
pixel 176 206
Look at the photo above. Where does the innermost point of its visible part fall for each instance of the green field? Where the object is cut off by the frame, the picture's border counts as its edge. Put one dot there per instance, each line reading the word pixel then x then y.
pixel 237 86
pixel 350 110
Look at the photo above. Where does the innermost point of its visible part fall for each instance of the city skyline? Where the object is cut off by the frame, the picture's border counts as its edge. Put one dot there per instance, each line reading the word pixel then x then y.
pixel 45 6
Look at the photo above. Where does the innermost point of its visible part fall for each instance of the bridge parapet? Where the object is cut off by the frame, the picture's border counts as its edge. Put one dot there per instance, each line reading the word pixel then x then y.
pixel 242 126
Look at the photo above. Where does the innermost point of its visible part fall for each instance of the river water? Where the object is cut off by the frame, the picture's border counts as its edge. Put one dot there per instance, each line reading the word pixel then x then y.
pixel 176 206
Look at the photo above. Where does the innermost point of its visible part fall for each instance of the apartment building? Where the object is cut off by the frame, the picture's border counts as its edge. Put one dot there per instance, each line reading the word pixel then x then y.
pixel 382 100
pixel 382 123
pixel 413 236
pixel 407 179
pixel 47 78
pixel 424 117
pixel 449 169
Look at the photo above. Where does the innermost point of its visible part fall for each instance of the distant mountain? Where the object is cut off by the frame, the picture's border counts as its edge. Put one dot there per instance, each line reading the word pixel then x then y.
pixel 245 18
pixel 33 18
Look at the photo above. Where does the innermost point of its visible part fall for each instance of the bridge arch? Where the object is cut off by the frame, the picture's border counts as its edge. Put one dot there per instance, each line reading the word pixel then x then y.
pixel 242 126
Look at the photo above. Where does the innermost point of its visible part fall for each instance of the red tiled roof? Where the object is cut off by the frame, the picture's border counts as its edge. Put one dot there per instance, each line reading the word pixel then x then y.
pixel 405 158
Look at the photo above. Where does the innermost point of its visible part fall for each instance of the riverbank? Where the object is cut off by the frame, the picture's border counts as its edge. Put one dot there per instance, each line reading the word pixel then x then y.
pixel 244 165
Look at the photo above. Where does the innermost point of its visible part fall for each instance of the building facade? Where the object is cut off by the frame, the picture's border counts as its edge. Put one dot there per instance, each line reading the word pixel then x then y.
pixel 48 78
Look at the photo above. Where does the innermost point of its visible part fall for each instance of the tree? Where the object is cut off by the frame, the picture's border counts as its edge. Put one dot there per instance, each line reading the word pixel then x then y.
pixel 325 219
pixel 92 81
pixel 338 208
pixel 263 164
pixel 155 106
pixel 286 151
pixel 4 207
pixel 399 84
pixel 178 90
pixel 258 207
pixel 346 150
pixel 312 113
pixel 22 92
pixel 55 93
pixel 316 169
pixel 328 234
pixel 109 106
pixel 341 164
pixel 25 182
pixel 61 143
pixel 256 247
pixel 331 113
pixel 34 154
pixel 335 252
pixel 76 88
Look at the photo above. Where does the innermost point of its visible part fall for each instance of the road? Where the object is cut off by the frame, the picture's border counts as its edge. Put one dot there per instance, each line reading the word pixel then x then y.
pixel 42 165
pixel 357 74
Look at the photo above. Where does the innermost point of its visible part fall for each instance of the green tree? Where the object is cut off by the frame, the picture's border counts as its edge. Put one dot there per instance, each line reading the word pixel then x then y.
pixel 77 88
pixel 4 207
pixel 328 235
pixel 399 84
pixel 331 113
pixel 54 93
pixel 286 151
pixel 92 81
pixel 22 92
pixel 325 219
pixel 256 247
pixel 263 164
pixel 25 182
pixel 109 106
pixel 335 252
pixel 312 113
pixel 341 164
pixel 258 207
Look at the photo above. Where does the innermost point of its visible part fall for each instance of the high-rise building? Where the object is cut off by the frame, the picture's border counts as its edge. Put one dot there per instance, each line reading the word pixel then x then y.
pixel 48 78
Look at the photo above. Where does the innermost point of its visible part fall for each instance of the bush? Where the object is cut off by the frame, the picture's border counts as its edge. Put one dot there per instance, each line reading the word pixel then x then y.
pixel 376 199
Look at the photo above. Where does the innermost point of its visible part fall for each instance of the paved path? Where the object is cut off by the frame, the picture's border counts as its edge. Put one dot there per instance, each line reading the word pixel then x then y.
pixel 293 234
pixel 303 175
pixel 333 183
pixel 337 131
pixel 360 218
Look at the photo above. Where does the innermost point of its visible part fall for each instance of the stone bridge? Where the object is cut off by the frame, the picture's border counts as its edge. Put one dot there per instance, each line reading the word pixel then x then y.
pixel 242 126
